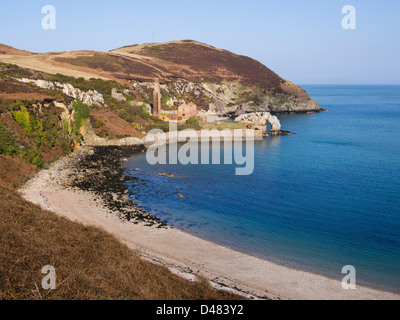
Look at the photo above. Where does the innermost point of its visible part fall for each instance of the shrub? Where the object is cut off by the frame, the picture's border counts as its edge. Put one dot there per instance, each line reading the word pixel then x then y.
pixel 163 126
pixel 7 141
pixel 165 96
pixel 98 124
pixel 66 127
pixel 30 124
pixel 82 112
pixel 101 134
pixel 129 113
pixel 38 161
pixel 52 135
pixel 38 131
pixel 23 118
pixel 193 121
pixel 35 157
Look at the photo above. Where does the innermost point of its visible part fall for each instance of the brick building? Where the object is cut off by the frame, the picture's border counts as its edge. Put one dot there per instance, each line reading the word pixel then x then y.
pixel 187 111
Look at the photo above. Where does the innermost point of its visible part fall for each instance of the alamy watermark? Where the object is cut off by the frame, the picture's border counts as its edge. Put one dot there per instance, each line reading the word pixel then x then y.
pixel 349 21
pixel 349 281
pixel 49 281
pixel 49 20
pixel 196 149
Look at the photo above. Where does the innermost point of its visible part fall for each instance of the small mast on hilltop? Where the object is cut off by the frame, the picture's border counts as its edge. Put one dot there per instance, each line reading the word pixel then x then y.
pixel 156 98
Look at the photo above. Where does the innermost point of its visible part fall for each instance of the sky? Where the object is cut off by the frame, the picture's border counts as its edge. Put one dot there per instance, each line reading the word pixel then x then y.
pixel 302 41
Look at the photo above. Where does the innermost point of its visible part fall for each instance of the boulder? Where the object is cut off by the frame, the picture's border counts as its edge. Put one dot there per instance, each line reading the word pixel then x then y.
pixel 117 96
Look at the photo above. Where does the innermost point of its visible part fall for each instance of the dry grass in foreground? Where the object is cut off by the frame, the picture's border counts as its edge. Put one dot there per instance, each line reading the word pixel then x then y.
pixel 90 263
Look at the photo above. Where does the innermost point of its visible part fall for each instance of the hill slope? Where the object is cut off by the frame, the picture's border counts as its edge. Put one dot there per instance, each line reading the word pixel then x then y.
pixel 218 81
pixel 7 50
pixel 90 263
pixel 197 62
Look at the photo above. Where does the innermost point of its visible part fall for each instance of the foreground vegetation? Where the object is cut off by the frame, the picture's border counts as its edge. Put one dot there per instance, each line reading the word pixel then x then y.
pixel 90 263
pixel 32 134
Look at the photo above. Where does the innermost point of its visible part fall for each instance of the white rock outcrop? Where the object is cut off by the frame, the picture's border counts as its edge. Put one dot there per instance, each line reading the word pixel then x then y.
pixel 117 95
pixel 261 119
pixel 90 97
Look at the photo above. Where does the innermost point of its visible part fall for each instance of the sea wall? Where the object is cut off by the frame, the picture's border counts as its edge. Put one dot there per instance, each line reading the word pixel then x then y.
pixel 180 136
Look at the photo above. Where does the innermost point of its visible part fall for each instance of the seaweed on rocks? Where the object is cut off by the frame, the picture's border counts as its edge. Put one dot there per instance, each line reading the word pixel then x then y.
pixel 100 171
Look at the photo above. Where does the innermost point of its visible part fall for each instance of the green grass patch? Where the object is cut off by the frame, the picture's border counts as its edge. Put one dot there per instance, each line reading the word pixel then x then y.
pixel 193 121
pixel 81 113
pixel 7 141
pixel 23 118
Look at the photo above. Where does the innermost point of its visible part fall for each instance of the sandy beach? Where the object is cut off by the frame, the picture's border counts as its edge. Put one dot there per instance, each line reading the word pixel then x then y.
pixel 183 253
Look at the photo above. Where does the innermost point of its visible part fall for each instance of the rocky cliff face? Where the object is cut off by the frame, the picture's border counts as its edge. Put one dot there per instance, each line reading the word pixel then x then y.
pixel 227 98
pixel 91 97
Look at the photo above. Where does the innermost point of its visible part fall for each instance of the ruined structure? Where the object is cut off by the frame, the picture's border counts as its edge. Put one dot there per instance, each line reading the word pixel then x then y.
pixel 259 121
pixel 156 98
pixel 183 113
pixel 187 111
pixel 169 115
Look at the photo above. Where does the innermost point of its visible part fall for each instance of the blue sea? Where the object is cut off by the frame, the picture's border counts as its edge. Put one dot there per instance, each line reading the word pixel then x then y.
pixel 319 200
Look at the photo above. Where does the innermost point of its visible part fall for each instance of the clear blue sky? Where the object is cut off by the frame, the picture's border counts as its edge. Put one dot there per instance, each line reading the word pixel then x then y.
pixel 302 41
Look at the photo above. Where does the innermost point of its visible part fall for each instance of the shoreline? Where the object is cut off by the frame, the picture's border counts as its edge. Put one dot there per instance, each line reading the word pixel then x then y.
pixel 183 253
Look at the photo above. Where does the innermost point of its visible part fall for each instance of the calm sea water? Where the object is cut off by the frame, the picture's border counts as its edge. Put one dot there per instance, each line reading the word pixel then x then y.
pixel 319 200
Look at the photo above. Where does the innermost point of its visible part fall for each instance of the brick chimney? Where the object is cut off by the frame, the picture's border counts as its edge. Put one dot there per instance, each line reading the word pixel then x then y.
pixel 156 98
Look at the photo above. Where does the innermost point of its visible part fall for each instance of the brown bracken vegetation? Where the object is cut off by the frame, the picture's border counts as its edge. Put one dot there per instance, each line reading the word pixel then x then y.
pixel 90 263
pixel 187 59
pixel 4 49
pixel 11 90
pixel 14 171
pixel 107 123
